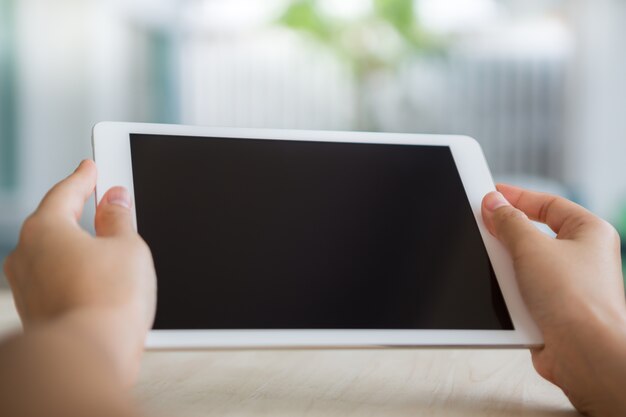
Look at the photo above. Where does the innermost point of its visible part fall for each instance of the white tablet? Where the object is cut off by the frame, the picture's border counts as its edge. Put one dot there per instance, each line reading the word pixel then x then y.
pixel 280 238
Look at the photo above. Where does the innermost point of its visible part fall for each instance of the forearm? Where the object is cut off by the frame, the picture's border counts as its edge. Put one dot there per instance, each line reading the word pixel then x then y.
pixel 59 370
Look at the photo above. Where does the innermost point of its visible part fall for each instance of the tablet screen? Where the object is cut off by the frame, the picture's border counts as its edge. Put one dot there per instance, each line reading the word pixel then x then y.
pixel 269 234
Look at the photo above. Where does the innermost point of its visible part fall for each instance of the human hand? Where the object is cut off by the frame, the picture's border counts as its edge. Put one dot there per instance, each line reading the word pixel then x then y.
pixel 573 287
pixel 104 286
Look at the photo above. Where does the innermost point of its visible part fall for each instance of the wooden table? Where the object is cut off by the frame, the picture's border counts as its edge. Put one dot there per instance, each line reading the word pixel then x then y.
pixel 341 383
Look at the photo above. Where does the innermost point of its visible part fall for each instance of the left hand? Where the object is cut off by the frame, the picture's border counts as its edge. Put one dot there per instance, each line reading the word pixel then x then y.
pixel 104 285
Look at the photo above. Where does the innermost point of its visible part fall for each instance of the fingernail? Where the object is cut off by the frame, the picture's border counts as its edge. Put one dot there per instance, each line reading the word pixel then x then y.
pixel 495 200
pixel 119 196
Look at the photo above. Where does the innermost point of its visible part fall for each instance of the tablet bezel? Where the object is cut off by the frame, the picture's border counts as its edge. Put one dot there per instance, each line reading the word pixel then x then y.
pixel 111 146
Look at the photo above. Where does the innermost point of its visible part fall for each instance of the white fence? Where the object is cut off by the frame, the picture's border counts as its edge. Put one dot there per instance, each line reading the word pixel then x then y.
pixel 515 106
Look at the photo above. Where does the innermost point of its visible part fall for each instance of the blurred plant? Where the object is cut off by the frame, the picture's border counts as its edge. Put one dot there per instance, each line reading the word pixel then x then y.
pixel 369 35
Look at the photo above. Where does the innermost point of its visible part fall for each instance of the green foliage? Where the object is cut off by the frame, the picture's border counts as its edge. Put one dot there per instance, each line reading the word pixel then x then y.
pixel 351 38
pixel 302 15
pixel 400 14
pixel 621 227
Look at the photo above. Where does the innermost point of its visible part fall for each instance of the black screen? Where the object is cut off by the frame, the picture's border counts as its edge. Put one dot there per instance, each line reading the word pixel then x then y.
pixel 264 234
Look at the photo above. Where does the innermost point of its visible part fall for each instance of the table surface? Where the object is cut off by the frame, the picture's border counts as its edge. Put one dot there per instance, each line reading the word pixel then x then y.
pixel 341 382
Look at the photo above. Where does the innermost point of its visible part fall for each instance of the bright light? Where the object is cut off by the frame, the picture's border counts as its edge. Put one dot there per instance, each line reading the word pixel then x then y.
pixel 543 36
pixel 233 15
pixel 455 15
pixel 346 9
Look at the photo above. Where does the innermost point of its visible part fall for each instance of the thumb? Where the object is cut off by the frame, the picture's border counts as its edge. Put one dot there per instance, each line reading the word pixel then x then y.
pixel 113 214
pixel 510 225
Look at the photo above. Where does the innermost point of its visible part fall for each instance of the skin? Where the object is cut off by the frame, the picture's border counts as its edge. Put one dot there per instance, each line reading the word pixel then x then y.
pixel 573 287
pixel 88 302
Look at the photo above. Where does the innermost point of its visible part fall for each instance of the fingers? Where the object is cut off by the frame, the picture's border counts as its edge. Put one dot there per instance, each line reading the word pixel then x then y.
pixel 556 212
pixel 114 215
pixel 68 197
pixel 510 225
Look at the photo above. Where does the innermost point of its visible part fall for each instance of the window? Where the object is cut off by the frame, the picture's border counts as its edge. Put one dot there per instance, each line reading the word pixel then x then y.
pixel 7 95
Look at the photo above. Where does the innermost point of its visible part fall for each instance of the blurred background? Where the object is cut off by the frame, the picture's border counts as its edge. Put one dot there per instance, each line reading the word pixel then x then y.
pixel 540 83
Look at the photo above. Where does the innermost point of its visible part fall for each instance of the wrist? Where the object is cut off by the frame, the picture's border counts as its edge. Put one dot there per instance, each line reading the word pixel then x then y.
pixel 603 326
pixel 587 358
pixel 117 340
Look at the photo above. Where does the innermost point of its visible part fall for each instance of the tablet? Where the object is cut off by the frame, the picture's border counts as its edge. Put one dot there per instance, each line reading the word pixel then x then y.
pixel 282 238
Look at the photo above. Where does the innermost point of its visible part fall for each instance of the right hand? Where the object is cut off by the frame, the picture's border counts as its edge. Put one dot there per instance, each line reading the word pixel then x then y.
pixel 572 285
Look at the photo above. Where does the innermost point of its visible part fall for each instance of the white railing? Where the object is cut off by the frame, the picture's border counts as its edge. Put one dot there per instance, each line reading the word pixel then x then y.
pixel 515 106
